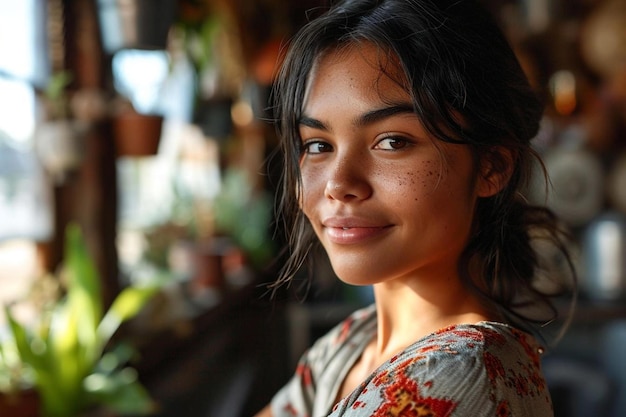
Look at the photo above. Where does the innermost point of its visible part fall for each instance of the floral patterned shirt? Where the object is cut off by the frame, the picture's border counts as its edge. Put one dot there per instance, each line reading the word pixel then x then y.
pixel 483 369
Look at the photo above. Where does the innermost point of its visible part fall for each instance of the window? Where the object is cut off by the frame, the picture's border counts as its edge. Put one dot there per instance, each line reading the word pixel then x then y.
pixel 25 208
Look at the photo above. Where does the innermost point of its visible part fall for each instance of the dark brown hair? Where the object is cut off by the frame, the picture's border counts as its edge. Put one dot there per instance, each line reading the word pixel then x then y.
pixel 467 87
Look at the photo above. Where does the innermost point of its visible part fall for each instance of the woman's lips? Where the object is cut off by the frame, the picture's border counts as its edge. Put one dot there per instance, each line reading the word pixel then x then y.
pixel 354 235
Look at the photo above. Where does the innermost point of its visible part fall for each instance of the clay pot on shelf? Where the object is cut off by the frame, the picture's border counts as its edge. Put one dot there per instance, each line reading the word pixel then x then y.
pixel 24 403
pixel 208 270
pixel 199 262
pixel 137 135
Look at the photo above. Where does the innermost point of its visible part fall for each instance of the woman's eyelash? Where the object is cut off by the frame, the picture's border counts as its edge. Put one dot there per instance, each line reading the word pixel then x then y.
pixel 306 147
pixel 389 142
pixel 393 140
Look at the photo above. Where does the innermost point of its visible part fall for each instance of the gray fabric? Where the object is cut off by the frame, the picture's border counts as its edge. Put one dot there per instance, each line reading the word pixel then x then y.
pixel 484 369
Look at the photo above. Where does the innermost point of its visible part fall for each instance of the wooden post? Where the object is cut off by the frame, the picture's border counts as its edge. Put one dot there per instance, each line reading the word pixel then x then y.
pixel 90 197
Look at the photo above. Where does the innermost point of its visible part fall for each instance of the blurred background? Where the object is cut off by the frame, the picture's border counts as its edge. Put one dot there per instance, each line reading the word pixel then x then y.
pixel 146 123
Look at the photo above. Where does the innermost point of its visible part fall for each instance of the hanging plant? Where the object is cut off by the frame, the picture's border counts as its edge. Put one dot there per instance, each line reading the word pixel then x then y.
pixel 55 97
pixel 198 39
pixel 59 137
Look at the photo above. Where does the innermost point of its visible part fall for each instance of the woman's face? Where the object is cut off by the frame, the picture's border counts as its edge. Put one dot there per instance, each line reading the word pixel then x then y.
pixel 386 201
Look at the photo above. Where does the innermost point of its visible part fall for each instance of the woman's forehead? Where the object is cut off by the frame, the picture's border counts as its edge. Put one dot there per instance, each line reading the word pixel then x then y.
pixel 358 57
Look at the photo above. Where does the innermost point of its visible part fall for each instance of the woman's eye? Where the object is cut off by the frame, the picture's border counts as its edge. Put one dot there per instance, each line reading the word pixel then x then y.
pixel 392 143
pixel 315 147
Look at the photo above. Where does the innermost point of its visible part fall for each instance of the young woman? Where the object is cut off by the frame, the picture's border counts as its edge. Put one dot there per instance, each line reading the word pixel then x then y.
pixel 406 128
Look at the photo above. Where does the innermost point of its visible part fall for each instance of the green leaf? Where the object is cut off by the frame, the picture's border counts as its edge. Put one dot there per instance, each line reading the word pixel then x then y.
pixel 125 306
pixel 23 341
pixel 70 358
pixel 84 284
pixel 56 85
pixel 120 392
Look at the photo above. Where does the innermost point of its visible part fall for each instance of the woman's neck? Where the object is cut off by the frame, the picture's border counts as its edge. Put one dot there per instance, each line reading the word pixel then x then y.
pixel 408 311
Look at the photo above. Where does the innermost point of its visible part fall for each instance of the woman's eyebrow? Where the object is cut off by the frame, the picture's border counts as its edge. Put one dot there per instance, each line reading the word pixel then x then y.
pixel 312 123
pixel 376 115
pixel 369 117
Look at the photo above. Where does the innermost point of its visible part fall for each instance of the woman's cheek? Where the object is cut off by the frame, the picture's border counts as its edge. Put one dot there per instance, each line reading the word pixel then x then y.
pixel 311 188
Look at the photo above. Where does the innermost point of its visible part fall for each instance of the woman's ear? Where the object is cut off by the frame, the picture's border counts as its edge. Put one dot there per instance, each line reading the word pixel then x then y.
pixel 496 168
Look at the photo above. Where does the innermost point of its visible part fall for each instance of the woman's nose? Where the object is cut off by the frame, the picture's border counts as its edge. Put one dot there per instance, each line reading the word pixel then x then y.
pixel 348 181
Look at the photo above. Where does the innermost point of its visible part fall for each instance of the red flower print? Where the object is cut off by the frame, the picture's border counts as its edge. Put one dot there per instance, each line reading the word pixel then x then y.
pixel 381 379
pixel 493 338
pixel 503 409
pixel 537 380
pixel 345 330
pixel 403 399
pixel 470 334
pixel 404 365
pixel 290 410
pixel 429 348
pixel 446 329
pixel 358 404
pixel 521 385
pixel 494 367
pixel 304 371
pixel 523 340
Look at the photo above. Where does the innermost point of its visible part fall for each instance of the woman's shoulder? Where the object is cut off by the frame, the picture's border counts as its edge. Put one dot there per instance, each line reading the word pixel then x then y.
pixel 487 349
pixel 475 369
pixel 482 369
pixel 481 338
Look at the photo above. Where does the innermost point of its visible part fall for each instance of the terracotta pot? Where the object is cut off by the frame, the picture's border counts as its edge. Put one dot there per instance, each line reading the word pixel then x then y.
pixel 137 134
pixel 208 268
pixel 22 404
pixel 200 262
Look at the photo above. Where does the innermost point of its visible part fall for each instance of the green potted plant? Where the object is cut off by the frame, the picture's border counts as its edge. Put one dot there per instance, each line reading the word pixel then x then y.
pixel 67 356
pixel 202 32
pixel 245 214
pixel 17 397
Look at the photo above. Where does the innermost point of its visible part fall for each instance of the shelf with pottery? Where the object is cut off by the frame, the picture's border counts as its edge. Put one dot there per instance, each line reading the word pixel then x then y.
pixel 191 354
